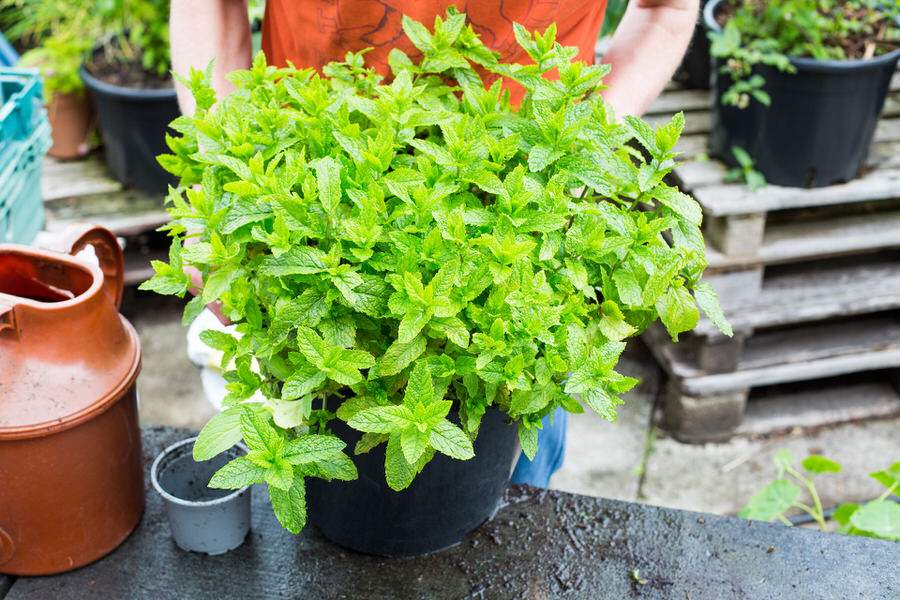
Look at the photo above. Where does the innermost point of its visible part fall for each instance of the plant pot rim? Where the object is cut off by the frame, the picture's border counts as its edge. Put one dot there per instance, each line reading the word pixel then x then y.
pixel 130 93
pixel 154 478
pixel 811 64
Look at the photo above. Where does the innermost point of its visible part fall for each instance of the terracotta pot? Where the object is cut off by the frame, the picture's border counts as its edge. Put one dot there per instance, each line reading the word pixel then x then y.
pixel 70 446
pixel 72 123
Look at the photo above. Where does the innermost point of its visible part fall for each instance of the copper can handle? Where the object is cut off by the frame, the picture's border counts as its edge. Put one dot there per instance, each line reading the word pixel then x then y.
pixel 78 236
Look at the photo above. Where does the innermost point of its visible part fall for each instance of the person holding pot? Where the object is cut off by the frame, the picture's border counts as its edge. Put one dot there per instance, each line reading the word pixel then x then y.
pixel 644 53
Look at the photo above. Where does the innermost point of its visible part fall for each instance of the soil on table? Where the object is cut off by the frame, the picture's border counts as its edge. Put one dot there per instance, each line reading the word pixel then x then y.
pixel 112 66
pixel 857 46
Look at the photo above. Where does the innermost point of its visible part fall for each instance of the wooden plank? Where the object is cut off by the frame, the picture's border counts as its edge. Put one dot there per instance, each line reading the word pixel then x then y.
pixel 674 101
pixel 819 406
pixel 723 200
pixel 792 241
pixel 123 212
pixel 826 351
pixel 821 238
pixel 61 179
pixel 690 146
pixel 802 295
pixel 736 235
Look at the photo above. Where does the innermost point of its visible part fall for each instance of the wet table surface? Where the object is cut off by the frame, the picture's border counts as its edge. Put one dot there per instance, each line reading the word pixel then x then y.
pixel 541 544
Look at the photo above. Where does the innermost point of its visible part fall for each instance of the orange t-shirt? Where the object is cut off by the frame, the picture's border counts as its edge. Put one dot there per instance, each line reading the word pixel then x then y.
pixel 312 33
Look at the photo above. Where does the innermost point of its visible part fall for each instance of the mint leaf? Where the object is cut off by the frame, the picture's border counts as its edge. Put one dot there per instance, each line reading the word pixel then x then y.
pixel 221 433
pixel 312 448
pixel 336 466
pixel 449 439
pixel 677 311
pixel 279 475
pixel 709 302
pixel 414 442
pixel 238 473
pixel 397 470
pixel 290 505
pixel 528 439
pixel 419 389
pixel 258 433
pixel 400 355
pixel 383 419
pixel 602 402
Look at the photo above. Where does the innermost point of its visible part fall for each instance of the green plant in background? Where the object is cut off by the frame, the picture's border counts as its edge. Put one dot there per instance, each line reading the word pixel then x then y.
pixel 137 34
pixel 878 518
pixel 59 58
pixel 256 9
pixel 760 32
pixel 58 37
pixel 392 253
pixel 745 171
pixel 615 9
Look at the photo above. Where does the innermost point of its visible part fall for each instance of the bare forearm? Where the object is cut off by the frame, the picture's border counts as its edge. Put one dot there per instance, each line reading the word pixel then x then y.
pixel 202 30
pixel 645 51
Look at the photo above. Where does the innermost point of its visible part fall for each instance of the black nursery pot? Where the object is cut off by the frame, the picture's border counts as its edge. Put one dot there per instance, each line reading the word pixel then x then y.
pixel 134 125
pixel 445 501
pixel 694 69
pixel 819 126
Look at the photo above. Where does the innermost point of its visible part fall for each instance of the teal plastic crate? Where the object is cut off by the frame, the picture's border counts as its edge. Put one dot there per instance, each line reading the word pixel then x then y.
pixel 24 140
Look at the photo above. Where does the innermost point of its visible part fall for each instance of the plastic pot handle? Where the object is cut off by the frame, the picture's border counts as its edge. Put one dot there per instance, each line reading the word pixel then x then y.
pixel 78 236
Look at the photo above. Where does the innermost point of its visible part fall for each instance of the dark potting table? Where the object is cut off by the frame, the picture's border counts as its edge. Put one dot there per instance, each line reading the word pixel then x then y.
pixel 541 544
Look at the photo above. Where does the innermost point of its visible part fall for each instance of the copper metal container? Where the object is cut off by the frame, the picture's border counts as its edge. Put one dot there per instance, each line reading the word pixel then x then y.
pixel 71 480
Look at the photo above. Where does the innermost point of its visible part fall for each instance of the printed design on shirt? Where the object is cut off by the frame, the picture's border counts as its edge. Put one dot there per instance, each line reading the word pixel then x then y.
pixel 354 25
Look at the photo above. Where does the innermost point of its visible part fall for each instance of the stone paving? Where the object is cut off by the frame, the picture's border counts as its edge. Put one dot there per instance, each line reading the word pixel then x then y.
pixel 630 460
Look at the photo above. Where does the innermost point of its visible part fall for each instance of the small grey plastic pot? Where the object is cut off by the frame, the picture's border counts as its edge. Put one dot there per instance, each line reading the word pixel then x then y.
pixel 202 519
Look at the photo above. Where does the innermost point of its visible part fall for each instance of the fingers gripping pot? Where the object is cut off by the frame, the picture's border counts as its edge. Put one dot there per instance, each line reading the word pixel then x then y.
pixel 71 480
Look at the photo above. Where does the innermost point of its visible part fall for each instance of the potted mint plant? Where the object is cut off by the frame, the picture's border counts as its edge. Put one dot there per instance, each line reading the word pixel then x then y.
pixel 423 264
pixel 800 84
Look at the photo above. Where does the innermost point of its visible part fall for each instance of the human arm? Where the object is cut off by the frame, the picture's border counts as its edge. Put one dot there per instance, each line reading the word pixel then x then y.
pixel 645 51
pixel 202 30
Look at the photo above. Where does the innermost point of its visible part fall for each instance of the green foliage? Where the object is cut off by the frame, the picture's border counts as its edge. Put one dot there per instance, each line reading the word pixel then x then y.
pixel 256 9
pixel 615 10
pixel 745 171
pixel 63 35
pixel 395 252
pixel 58 35
pixel 141 33
pixel 768 33
pixel 878 518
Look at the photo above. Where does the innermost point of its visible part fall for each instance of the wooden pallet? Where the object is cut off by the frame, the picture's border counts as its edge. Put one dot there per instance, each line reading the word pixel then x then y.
pixel 82 191
pixel 807 278
pixel 739 223
pixel 750 233
pixel 701 405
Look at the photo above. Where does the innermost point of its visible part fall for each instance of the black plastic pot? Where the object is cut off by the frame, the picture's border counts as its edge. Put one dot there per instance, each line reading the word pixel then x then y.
pixel 819 126
pixel 134 124
pixel 445 501
pixel 694 69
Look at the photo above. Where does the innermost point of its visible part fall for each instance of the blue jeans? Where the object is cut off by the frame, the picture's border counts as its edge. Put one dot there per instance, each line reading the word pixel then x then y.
pixel 550 454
